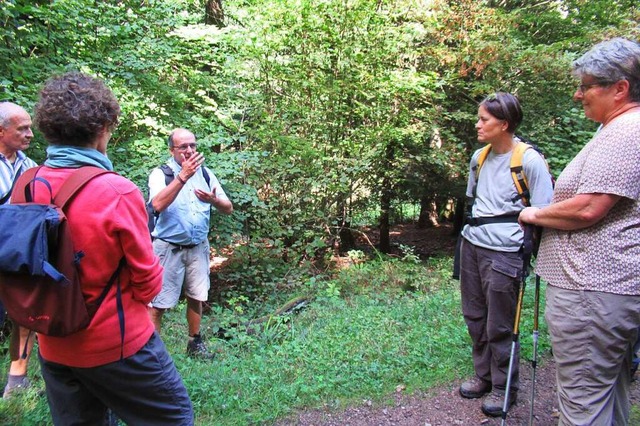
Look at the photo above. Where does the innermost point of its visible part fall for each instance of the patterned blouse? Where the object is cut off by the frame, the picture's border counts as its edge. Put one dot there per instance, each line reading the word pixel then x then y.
pixel 606 256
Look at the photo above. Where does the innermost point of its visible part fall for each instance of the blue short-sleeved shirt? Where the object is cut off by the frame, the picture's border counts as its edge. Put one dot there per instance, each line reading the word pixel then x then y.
pixel 186 220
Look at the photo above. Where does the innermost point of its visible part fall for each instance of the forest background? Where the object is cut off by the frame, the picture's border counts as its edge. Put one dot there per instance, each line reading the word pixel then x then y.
pixel 320 118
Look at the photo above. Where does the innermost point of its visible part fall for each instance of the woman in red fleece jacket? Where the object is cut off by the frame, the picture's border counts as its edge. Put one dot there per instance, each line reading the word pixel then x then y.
pixel 99 368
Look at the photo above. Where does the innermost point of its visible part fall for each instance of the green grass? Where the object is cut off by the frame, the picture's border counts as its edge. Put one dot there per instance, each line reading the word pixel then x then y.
pixel 371 328
pixel 634 418
pixel 340 350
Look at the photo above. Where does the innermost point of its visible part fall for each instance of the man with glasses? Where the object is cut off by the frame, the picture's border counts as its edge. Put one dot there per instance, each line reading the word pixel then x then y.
pixel 181 231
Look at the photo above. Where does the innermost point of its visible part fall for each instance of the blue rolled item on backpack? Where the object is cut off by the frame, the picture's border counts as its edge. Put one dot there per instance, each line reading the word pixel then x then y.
pixel 24 239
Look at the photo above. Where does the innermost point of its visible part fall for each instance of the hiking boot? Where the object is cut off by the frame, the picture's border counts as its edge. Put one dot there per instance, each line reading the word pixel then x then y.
pixel 197 349
pixel 493 403
pixel 475 388
pixel 15 384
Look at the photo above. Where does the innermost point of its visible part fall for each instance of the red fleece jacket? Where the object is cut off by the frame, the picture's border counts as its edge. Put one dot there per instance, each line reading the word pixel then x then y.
pixel 107 220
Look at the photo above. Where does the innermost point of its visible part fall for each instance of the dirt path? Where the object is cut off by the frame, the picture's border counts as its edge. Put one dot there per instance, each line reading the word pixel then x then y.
pixel 443 406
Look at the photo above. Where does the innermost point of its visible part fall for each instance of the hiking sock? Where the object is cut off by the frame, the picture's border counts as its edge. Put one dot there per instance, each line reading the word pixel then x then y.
pixel 17 380
pixel 14 382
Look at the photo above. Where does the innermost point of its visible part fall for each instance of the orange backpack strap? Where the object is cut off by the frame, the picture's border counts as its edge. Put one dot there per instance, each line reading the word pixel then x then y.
pixel 517 173
pixel 476 170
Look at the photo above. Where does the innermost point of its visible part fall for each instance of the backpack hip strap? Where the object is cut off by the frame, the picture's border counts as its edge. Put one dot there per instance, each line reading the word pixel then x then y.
pixel 505 218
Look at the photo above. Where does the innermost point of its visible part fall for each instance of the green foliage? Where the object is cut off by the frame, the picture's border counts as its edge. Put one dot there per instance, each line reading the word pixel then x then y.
pixel 309 111
pixel 571 132
pixel 634 417
pixel 355 341
pixel 331 106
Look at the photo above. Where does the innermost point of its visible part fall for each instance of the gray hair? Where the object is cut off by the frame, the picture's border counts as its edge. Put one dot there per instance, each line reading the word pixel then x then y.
pixel 7 111
pixel 611 61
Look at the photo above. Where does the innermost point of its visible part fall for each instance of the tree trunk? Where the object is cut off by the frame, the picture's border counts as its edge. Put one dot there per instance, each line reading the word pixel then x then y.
pixel 385 207
pixel 347 240
pixel 428 212
pixel 385 202
pixel 213 13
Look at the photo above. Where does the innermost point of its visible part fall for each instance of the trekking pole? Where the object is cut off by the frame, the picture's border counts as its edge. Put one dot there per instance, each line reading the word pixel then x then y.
pixel 514 344
pixel 527 249
pixel 534 361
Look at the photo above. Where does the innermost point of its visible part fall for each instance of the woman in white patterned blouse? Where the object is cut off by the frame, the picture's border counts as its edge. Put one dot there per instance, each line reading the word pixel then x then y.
pixel 590 250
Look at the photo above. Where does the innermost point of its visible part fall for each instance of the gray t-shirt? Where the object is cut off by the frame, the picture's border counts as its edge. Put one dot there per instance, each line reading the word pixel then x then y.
pixel 495 193
pixel 606 256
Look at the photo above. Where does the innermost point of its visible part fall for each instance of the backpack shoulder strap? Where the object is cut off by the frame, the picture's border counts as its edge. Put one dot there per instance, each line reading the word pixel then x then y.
pixel 21 185
pixel 481 159
pixel 77 180
pixel 476 170
pixel 168 173
pixel 13 184
pixel 517 172
pixel 205 174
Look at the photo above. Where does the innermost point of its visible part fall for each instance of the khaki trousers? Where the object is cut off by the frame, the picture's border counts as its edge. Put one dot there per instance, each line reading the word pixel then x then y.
pixel 592 336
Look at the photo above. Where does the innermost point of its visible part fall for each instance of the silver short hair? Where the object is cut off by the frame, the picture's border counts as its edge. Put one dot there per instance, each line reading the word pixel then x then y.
pixel 7 111
pixel 611 61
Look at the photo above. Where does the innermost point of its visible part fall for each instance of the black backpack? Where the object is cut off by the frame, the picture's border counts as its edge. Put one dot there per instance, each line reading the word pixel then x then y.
pixel 152 215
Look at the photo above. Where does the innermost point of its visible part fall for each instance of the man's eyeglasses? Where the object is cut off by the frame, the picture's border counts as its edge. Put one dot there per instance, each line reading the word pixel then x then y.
pixel 584 88
pixel 186 146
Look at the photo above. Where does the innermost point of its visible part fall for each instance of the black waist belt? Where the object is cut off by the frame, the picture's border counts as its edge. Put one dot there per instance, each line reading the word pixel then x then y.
pixel 505 218
pixel 179 246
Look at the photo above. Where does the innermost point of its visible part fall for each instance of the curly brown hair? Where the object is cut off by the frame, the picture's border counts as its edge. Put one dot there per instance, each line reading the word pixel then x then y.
pixel 74 108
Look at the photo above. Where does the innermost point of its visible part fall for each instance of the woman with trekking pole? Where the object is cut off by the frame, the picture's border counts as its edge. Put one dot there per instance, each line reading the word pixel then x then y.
pixel 590 249
pixel 492 263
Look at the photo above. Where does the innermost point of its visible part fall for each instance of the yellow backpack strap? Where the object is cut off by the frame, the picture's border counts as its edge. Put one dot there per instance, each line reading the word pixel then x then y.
pixel 517 173
pixel 481 159
pixel 476 171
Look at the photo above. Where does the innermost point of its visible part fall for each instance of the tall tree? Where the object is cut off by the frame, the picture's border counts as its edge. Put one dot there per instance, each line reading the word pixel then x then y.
pixel 213 13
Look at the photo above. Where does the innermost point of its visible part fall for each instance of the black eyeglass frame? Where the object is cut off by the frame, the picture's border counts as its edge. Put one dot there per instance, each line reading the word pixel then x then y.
pixel 186 146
